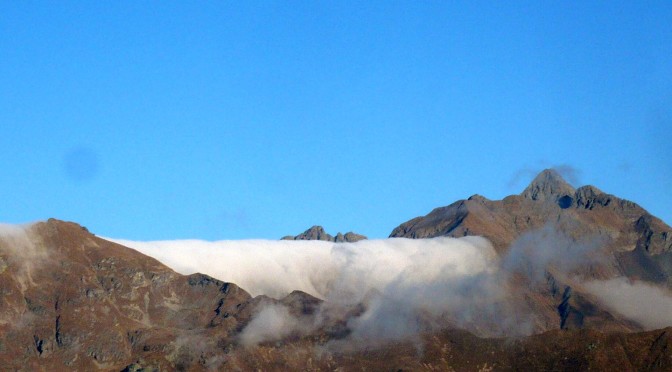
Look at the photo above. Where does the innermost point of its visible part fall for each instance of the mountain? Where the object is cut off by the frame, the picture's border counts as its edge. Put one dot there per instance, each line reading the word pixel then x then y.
pixel 70 300
pixel 551 216
pixel 318 233
pixel 640 244
pixel 73 301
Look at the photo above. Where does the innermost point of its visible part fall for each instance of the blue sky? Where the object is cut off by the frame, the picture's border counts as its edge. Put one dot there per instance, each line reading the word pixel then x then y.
pixel 229 120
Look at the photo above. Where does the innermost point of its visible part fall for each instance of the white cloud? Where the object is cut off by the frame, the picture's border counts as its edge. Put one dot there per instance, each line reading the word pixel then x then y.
pixel 649 305
pixel 324 269
pixel 397 278
pixel 273 322
pixel 407 285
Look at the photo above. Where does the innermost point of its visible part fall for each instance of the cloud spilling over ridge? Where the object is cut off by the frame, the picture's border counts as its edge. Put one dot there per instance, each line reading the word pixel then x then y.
pixel 389 289
pixel 406 285
pixel 20 249
pixel 16 240
pixel 327 270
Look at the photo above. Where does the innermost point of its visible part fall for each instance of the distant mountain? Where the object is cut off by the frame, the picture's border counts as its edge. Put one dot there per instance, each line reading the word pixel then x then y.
pixel 318 233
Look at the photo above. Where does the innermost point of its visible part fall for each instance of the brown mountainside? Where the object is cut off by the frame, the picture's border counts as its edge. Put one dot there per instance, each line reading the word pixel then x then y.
pixel 72 301
pixel 625 240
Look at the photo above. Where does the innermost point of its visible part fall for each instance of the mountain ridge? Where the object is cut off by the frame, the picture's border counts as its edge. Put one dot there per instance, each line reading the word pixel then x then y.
pixel 73 300
pixel 632 243
pixel 317 232
pixel 546 198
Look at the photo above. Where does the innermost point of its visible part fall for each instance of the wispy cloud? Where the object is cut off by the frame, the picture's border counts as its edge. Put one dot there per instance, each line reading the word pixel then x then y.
pixel 649 305
pixel 525 174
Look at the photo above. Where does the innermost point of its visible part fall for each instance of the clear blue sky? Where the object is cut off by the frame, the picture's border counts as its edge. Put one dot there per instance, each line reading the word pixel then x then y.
pixel 228 120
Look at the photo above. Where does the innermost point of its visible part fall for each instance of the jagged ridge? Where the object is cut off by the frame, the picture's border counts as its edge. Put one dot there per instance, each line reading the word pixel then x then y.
pixel 318 233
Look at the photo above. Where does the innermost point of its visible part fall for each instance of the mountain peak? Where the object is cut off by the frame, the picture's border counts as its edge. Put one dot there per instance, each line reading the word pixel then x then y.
pixel 548 184
pixel 317 233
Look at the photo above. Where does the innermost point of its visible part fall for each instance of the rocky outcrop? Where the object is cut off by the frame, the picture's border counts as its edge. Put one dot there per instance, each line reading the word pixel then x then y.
pixel 318 233
pixel 349 237
pixel 548 185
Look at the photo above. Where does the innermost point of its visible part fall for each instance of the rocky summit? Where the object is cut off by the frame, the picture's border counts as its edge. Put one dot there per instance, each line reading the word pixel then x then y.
pixel 72 301
pixel 639 243
pixel 632 243
pixel 318 233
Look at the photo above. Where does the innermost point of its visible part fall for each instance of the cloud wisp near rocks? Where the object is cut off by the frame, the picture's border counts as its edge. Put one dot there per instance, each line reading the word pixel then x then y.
pixel 648 305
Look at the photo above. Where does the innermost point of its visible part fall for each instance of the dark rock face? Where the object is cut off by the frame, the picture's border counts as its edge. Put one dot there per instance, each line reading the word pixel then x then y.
pixel 318 233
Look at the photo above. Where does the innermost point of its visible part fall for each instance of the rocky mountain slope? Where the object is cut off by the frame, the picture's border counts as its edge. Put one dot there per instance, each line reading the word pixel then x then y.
pixel 616 237
pixel 640 241
pixel 72 301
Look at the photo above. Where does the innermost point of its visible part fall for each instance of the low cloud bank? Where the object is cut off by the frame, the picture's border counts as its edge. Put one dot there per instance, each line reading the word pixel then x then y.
pixel 341 272
pixel 407 285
